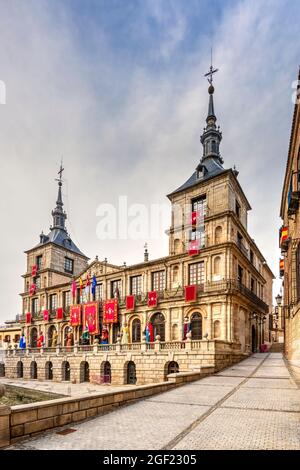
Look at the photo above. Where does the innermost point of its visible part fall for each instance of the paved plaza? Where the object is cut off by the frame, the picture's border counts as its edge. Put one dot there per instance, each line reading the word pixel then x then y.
pixel 252 405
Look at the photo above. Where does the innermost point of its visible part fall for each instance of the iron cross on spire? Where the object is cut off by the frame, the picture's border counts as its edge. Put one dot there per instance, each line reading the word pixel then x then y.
pixel 60 172
pixel 211 71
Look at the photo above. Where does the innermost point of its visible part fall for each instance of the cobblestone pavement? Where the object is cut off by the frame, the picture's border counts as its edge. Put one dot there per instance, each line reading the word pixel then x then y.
pixel 252 405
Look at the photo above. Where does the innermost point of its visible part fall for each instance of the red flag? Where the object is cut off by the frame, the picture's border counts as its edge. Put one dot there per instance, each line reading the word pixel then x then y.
pixel 190 293
pixel 74 289
pixel 32 289
pixel 110 311
pixel 88 282
pixel 152 299
pixel 75 315
pixel 28 317
pixel 194 247
pixel 194 218
pixel 150 326
pixel 33 270
pixel 46 315
pixel 130 301
pixel 59 313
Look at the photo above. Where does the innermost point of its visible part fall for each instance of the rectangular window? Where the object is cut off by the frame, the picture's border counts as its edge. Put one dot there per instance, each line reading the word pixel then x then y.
pixel 251 257
pixel 240 274
pixel 136 285
pixel 196 273
pixel 35 305
pixel 66 299
pixel 39 260
pixel 199 204
pixel 252 285
pixel 53 302
pixel 98 292
pixel 158 280
pixel 69 265
pixel 116 288
pixel 198 235
pixel 38 282
pixel 237 209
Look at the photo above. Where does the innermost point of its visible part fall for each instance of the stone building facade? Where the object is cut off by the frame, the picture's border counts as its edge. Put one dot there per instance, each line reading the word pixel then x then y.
pixel 210 251
pixel 289 236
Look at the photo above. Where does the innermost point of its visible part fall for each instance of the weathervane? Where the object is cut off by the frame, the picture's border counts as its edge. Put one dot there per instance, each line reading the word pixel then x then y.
pixel 60 171
pixel 211 71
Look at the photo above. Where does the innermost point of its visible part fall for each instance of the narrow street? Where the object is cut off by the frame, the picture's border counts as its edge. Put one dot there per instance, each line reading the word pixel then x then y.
pixel 252 405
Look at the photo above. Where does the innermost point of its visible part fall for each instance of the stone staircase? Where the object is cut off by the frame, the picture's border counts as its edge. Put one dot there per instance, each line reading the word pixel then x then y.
pixel 277 347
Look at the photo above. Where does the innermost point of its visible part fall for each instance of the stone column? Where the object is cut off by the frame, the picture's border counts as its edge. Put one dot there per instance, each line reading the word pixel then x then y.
pixel 224 320
pixel 209 321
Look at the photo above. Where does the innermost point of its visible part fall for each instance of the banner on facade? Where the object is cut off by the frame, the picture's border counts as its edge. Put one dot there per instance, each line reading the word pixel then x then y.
pixel 190 293
pixel 130 302
pixel 28 317
pixel 152 299
pixel 59 313
pixel 194 247
pixel 91 318
pixel 33 270
pixel 110 311
pixel 75 315
pixel 46 315
pixel 32 289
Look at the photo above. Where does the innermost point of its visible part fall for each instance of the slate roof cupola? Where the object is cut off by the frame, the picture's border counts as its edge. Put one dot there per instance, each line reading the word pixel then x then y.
pixel 212 136
pixel 58 214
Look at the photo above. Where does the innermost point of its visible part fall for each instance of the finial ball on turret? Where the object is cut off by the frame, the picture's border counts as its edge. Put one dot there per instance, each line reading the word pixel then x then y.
pixel 211 89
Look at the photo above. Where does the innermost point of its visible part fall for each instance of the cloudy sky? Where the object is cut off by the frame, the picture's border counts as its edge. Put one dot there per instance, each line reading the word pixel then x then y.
pixel 116 87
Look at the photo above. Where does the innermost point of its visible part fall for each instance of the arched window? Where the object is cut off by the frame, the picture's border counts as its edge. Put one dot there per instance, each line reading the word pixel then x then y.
pixel 218 234
pixel 173 367
pixel 50 334
pixel 33 370
pixel 2 369
pixel 131 373
pixel 66 371
pixel 158 323
pixel 136 331
pixel 84 372
pixel 174 332
pixel 20 370
pixel 217 265
pixel 214 147
pixel 217 329
pixel 196 326
pixel 33 337
pixel 175 275
pixel 176 246
pixel 49 370
pixel 105 372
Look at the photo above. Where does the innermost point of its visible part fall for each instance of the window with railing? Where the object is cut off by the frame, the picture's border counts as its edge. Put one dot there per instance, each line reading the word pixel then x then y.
pixel 158 280
pixel 199 204
pixel 53 302
pixel 38 282
pixel 98 292
pixel 198 234
pixel 35 305
pixel 196 273
pixel 66 299
pixel 136 285
pixel 116 288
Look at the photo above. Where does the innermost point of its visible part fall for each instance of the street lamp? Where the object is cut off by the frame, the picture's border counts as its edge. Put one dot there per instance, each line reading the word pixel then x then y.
pixel 278 299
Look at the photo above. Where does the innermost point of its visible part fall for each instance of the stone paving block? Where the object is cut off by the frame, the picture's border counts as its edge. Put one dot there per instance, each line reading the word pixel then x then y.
pixel 270 383
pixel 264 398
pixel 244 429
pixel 200 395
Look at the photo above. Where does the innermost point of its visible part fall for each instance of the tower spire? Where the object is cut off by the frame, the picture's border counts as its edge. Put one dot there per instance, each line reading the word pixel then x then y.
pixel 211 137
pixel 58 214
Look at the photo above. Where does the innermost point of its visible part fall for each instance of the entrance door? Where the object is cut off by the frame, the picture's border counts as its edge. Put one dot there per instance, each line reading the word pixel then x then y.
pixel 131 373
pixel 253 339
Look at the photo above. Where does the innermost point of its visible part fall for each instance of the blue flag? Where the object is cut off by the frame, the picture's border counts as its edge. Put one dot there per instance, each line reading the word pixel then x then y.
pixel 94 283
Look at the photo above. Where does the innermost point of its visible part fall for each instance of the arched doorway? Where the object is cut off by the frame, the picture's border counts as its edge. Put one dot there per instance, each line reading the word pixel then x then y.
pixel 105 372
pixel 196 325
pixel 50 335
pixel 158 323
pixel 173 367
pixel 49 370
pixel 253 339
pixel 2 369
pixel 136 331
pixel 33 370
pixel 33 337
pixel 66 371
pixel 84 371
pixel 131 373
pixel 20 369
